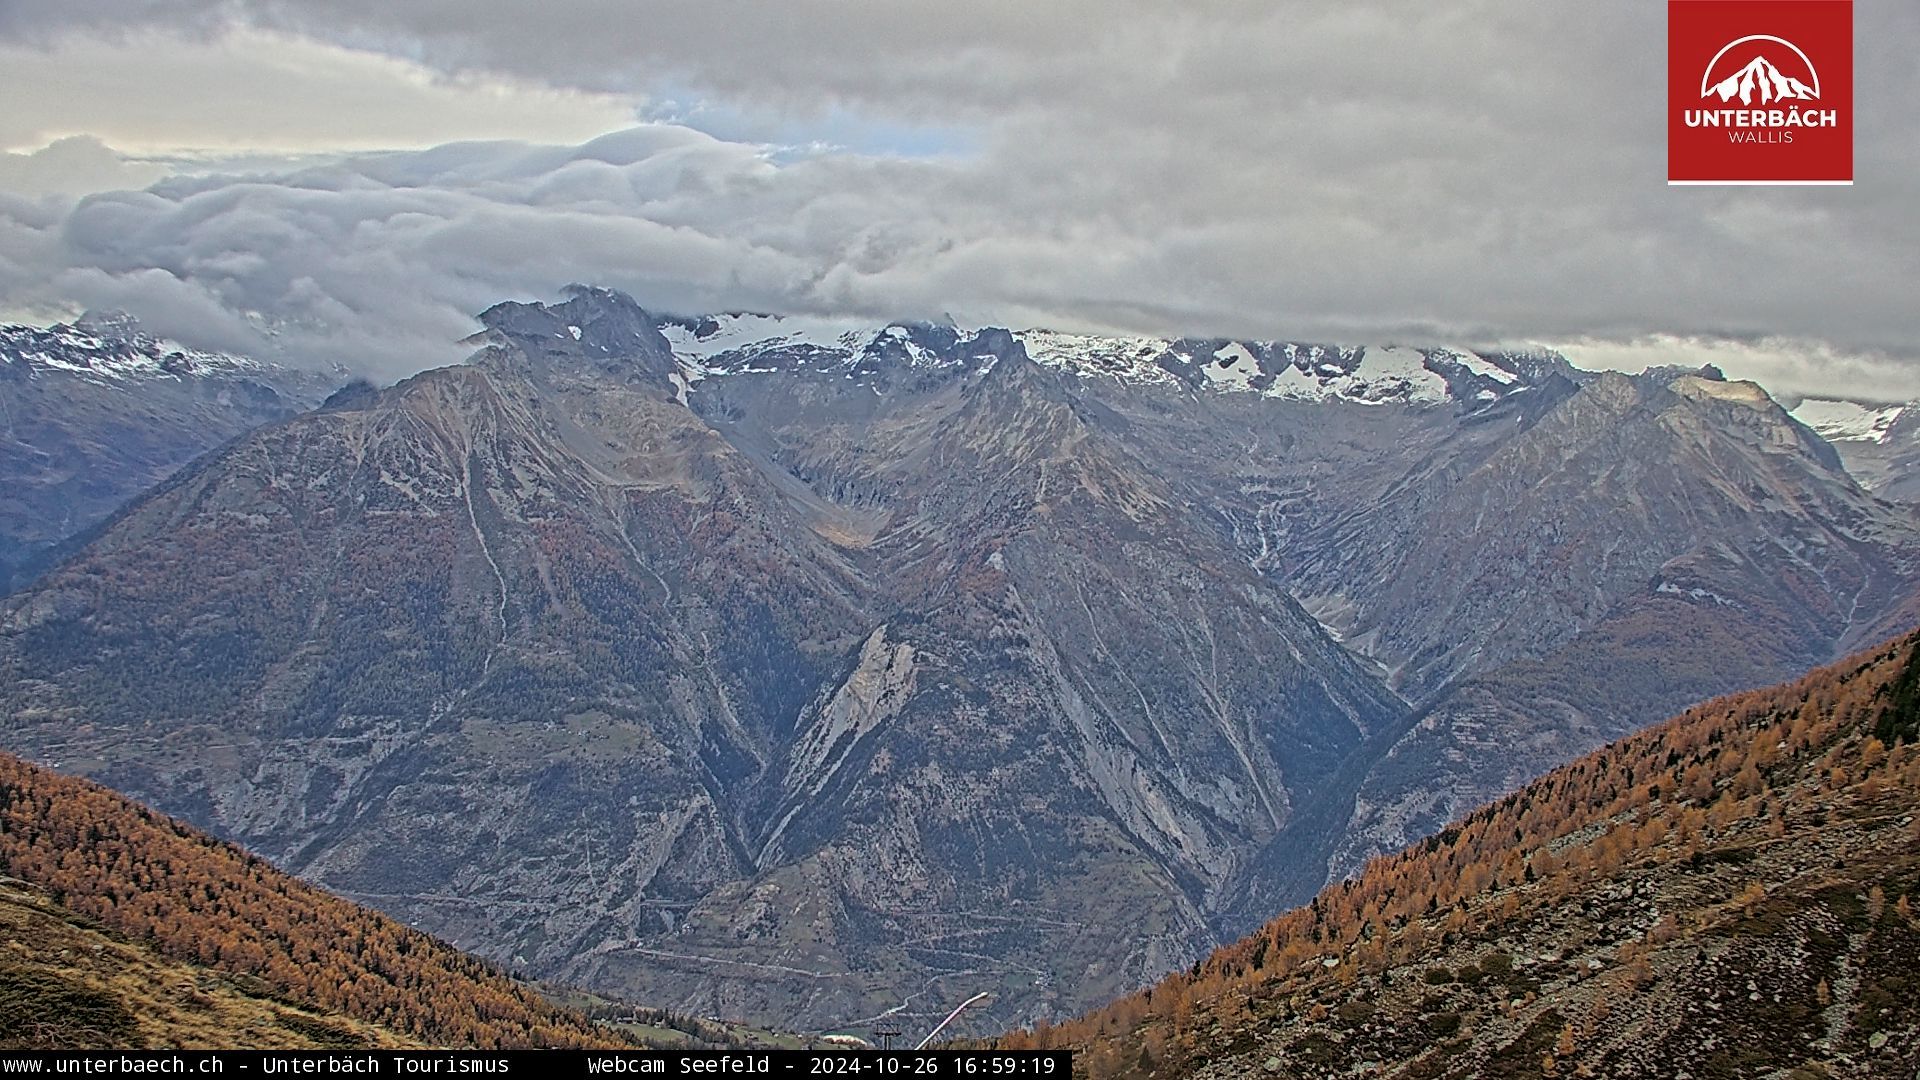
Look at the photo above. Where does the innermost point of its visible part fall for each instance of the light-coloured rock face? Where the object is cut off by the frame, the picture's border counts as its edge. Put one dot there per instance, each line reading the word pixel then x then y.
pixel 1741 392
pixel 881 683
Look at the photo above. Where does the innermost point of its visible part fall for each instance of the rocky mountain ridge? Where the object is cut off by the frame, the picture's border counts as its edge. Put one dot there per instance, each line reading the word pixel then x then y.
pixel 736 342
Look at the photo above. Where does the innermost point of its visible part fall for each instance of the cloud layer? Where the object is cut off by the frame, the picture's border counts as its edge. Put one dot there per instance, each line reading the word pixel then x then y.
pixel 148 90
pixel 1472 172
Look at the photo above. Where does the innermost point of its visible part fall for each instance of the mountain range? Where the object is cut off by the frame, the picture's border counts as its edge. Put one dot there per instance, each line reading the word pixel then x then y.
pixel 97 411
pixel 815 673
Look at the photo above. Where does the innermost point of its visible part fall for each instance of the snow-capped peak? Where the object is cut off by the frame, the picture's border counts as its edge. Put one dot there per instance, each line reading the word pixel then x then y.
pixel 749 333
pixel 739 343
pixel 110 346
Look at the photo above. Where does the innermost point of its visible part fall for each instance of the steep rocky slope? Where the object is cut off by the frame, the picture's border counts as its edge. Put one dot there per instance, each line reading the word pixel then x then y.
pixel 96 412
pixel 1729 894
pixel 1650 542
pixel 1628 489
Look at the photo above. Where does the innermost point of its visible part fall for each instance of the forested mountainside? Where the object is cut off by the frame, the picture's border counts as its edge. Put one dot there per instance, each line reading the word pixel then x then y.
pixel 126 926
pixel 95 412
pixel 742 666
pixel 1728 894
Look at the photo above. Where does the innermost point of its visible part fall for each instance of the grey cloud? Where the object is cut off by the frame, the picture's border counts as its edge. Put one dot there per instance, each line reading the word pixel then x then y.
pixel 1389 170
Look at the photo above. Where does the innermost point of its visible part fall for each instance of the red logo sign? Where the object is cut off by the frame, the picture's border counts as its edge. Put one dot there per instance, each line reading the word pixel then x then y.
pixel 1760 91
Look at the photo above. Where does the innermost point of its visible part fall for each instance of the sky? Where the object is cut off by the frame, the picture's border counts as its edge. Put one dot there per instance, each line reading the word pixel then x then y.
pixel 348 181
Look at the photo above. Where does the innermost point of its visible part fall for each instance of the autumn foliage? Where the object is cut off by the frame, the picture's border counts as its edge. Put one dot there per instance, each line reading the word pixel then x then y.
pixel 197 899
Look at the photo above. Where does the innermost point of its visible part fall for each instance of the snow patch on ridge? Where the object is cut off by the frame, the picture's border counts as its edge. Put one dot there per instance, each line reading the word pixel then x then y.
pixel 1849 421
pixel 733 342
pixel 1233 367
pixel 1394 374
pixel 1478 365
pixel 751 334
pixel 1132 359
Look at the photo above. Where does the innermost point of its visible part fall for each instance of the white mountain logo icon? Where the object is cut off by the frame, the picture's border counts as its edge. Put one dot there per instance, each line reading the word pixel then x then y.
pixel 1760 81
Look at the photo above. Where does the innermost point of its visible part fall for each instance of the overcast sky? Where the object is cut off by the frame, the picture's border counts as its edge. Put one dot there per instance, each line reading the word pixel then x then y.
pixel 363 175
